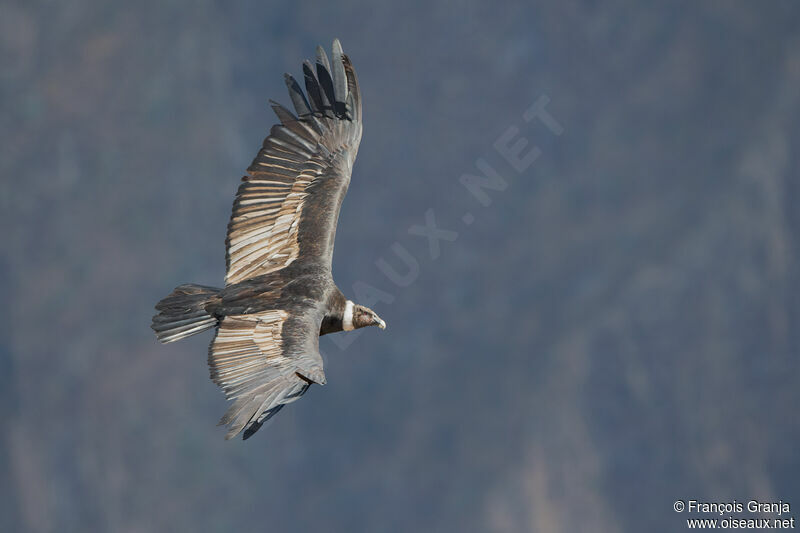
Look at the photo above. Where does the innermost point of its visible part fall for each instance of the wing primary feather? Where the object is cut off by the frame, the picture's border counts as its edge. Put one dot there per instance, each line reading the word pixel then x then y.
pixel 339 78
pixel 297 96
pixel 324 78
pixel 312 87
pixel 284 115
pixel 322 58
pixel 353 89
pixel 350 107
pixel 265 406
pixel 255 426
pixel 288 397
pixel 300 127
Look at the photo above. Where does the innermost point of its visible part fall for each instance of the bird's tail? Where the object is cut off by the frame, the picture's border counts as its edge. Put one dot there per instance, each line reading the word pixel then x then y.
pixel 183 313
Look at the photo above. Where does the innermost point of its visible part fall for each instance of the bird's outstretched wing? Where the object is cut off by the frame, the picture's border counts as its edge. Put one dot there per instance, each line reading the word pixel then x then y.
pixel 263 361
pixel 288 206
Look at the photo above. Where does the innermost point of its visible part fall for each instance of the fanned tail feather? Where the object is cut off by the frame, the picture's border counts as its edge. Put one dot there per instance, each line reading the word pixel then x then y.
pixel 183 313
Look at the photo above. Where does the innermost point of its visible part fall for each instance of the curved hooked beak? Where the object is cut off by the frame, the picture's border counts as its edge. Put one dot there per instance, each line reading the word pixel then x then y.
pixel 379 322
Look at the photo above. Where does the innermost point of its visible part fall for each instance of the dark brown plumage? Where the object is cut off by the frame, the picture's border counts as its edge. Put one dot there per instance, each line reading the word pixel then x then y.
pixel 279 294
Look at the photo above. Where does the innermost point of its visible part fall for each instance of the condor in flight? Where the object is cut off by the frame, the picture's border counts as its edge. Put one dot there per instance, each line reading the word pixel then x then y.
pixel 279 294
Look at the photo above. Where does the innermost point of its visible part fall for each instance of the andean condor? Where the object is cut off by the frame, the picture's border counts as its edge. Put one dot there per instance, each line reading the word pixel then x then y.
pixel 279 294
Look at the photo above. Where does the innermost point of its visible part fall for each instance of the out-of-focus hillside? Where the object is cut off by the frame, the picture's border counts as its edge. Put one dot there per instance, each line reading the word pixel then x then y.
pixel 614 331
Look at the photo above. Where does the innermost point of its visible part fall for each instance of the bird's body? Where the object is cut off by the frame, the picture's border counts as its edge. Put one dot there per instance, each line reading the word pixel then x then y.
pixel 280 295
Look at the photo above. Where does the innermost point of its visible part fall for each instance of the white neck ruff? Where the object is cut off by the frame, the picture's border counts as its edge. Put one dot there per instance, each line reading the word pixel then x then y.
pixel 347 321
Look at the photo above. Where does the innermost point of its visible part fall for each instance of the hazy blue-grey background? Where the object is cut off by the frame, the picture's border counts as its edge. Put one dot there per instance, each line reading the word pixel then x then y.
pixel 618 329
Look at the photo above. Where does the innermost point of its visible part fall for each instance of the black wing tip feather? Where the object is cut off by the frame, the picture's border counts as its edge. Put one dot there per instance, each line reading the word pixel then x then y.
pixel 330 88
pixel 250 430
pixel 322 58
pixel 296 94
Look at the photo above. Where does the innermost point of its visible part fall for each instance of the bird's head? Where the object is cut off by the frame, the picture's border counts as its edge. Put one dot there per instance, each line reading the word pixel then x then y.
pixel 358 316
